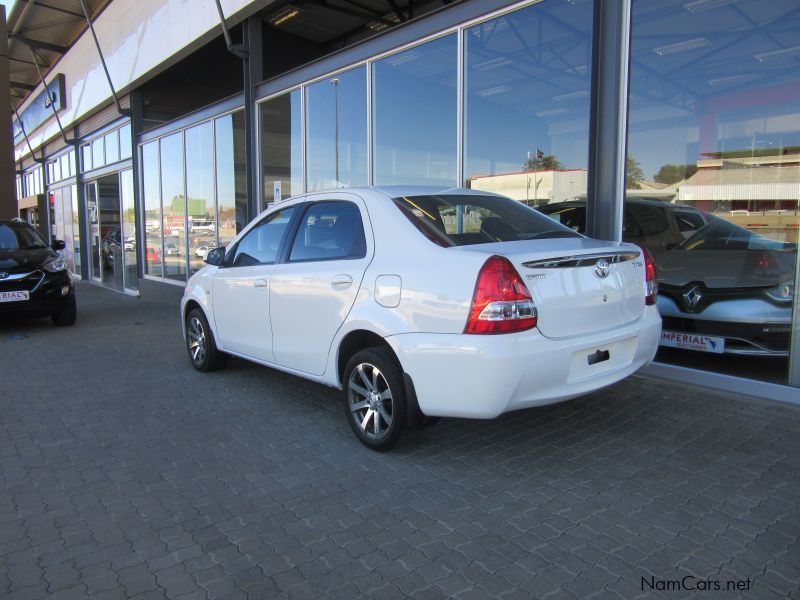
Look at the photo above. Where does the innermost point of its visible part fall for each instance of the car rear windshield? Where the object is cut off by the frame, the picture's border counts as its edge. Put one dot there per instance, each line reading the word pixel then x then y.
pixel 20 236
pixel 463 220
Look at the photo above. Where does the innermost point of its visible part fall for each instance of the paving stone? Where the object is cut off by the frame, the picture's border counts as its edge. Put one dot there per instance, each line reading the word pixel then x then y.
pixel 124 473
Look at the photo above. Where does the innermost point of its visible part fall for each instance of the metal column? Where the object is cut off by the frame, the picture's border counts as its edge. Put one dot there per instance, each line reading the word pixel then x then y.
pixel 8 195
pixel 253 74
pixel 608 118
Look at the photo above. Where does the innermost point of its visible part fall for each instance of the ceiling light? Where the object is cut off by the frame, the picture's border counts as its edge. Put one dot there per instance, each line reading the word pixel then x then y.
pixel 777 54
pixel 494 63
pixel 500 89
pixel 580 69
pixel 551 112
pixel 571 96
pixel 403 57
pixel 682 46
pixel 729 80
pixel 704 5
pixel 281 17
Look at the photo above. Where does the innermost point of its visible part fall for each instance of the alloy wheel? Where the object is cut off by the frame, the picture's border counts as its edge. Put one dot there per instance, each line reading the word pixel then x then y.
pixel 197 340
pixel 370 398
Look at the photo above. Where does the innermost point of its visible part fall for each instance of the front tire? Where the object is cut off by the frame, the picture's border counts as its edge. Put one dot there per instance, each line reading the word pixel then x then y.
pixel 67 315
pixel 375 399
pixel 200 343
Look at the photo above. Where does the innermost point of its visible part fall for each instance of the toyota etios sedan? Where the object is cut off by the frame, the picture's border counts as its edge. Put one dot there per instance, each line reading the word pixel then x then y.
pixel 422 303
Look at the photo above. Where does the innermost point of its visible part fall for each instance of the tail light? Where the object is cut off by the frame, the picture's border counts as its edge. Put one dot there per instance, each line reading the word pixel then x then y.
pixel 651 283
pixel 501 302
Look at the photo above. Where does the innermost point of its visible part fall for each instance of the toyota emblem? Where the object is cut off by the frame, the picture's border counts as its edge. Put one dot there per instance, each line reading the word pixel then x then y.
pixel 602 268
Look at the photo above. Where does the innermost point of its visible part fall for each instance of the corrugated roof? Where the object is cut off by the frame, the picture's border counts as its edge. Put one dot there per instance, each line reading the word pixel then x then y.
pixel 42 31
pixel 745 175
pixel 757 183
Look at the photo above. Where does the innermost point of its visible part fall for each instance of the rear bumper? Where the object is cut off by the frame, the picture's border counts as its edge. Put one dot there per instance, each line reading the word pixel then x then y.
pixel 475 376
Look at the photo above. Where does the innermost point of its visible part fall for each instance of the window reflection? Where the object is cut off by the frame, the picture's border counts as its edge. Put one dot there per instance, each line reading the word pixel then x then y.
pixel 174 207
pixel 128 228
pixel 336 113
pixel 281 152
pixel 98 153
pixel 527 79
pixel 714 145
pixel 415 115
pixel 112 146
pixel 200 193
pixel 231 176
pixel 152 209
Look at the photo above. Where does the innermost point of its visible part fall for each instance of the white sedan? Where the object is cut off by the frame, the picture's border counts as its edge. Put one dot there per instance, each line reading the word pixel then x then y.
pixel 422 303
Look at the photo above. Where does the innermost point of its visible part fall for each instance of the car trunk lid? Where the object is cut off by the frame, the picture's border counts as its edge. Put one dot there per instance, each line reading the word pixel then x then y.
pixel 578 285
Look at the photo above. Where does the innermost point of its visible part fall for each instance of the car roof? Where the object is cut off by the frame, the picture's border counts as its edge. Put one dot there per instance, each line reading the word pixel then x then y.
pixel 396 191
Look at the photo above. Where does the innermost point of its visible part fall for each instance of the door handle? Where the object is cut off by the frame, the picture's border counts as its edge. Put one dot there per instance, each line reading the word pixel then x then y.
pixel 341 281
pixel 260 284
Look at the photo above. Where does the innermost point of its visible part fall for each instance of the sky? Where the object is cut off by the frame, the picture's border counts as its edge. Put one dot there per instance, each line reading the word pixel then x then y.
pixel 9 4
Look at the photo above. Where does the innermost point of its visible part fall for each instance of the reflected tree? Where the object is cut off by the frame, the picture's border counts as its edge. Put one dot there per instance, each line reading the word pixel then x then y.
pixel 673 173
pixel 633 173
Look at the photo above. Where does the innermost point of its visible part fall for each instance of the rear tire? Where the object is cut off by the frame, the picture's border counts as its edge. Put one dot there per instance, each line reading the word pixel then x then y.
pixel 375 399
pixel 200 343
pixel 67 315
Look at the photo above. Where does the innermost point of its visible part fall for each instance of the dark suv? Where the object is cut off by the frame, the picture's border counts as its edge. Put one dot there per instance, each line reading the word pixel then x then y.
pixel 34 280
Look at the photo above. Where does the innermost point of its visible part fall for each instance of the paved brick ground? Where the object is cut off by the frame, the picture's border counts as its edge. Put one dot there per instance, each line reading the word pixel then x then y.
pixel 125 474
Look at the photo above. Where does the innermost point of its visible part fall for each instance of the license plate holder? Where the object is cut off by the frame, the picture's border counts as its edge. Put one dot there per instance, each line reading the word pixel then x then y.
pixel 598 357
pixel 692 341
pixel 15 296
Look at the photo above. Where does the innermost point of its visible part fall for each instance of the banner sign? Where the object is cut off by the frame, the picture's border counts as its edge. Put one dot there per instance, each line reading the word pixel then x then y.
pixel 40 109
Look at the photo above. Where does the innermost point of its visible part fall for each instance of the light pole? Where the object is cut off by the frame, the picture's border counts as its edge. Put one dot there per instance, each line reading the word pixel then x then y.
pixel 335 82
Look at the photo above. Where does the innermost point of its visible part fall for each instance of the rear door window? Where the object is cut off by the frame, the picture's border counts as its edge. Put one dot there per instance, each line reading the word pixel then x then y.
pixel 329 231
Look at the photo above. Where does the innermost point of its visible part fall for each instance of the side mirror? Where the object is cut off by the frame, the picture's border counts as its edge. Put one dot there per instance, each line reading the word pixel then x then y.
pixel 59 244
pixel 215 256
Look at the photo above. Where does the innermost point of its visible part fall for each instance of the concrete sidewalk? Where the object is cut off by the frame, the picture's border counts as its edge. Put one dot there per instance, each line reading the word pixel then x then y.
pixel 126 474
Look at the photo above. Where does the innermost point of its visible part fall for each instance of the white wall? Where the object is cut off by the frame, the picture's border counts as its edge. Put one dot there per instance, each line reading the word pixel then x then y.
pixel 139 38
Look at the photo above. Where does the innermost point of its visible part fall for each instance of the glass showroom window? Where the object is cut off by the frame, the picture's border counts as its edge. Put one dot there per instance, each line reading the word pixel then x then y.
pixel 526 102
pixel 173 203
pixel 200 192
pixel 336 131
pixel 414 115
pixel 98 153
pixel 125 141
pixel 281 150
pixel 152 209
pixel 231 176
pixel 713 178
pixel 128 228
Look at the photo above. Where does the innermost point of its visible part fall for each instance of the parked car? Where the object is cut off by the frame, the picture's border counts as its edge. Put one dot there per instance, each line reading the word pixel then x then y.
pixel 415 313
pixel 689 219
pixel 648 223
pixel 171 249
pixel 110 247
pixel 729 289
pixel 722 290
pixel 152 255
pixel 202 251
pixel 34 279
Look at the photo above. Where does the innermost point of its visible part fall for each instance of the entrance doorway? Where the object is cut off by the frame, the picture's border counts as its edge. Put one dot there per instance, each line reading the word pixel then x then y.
pixel 112 235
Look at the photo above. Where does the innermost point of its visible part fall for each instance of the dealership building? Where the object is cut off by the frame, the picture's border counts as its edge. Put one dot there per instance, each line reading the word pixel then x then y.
pixel 146 133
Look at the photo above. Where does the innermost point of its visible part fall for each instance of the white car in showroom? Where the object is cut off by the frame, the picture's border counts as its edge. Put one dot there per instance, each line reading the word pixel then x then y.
pixel 421 303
